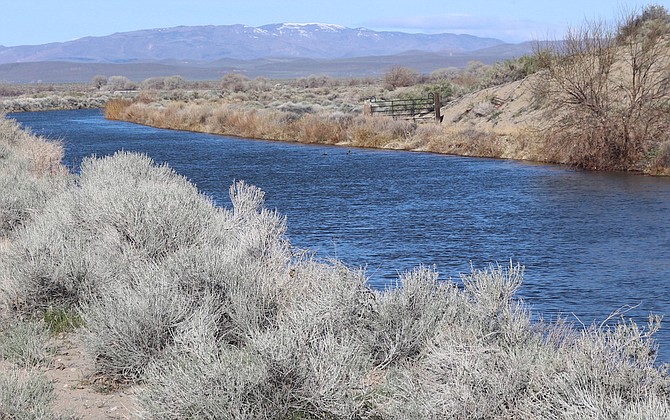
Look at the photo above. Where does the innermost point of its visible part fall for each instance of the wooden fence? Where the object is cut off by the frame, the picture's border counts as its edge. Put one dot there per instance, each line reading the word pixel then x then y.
pixel 410 109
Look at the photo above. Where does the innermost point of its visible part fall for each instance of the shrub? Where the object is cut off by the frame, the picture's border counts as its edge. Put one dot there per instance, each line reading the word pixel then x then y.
pixel 30 172
pixel 237 260
pixel 488 360
pixel 24 343
pixel 99 81
pixel 607 93
pixel 25 395
pixel 124 212
pixel 407 317
pixel 132 323
pixel 115 83
pixel 399 76
pixel 310 362
pixel 233 83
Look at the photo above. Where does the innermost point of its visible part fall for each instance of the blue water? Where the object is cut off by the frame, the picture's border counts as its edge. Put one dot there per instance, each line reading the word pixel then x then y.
pixel 590 242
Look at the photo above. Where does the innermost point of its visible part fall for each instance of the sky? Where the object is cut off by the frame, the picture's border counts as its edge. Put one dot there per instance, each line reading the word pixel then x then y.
pixel 32 22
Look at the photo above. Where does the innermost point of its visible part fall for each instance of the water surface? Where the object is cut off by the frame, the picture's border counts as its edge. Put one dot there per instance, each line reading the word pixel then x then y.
pixel 590 242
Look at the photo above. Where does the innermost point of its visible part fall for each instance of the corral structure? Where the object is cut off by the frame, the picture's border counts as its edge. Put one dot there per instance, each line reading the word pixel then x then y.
pixel 421 109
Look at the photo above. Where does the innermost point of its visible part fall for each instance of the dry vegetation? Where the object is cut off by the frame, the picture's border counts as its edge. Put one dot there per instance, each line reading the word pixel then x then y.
pixel 328 111
pixel 188 310
pixel 597 100
pixel 608 89
pixel 198 311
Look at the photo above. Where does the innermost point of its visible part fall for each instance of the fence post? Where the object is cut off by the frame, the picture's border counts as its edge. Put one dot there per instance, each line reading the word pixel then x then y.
pixel 438 105
pixel 367 108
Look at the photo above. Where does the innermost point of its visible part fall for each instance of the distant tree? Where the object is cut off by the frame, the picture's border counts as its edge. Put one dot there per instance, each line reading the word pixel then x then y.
pixel 153 83
pixel 120 83
pixel 261 83
pixel 399 76
pixel 99 81
pixel 174 82
pixel 234 82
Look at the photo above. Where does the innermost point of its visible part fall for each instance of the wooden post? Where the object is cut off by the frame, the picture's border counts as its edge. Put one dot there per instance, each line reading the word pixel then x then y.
pixel 438 105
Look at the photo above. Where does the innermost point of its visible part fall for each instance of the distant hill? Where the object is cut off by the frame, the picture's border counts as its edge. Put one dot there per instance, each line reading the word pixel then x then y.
pixel 209 43
pixel 278 50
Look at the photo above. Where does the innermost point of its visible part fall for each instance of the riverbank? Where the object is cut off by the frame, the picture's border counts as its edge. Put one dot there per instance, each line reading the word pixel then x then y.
pixel 188 309
pixel 506 121
pixel 315 124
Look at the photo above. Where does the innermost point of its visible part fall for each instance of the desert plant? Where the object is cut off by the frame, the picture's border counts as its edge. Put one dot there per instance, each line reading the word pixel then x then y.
pixel 609 91
pixel 99 81
pixel 399 76
pixel 132 323
pixel 234 82
pixel 406 317
pixel 310 362
pixel 125 211
pixel 489 360
pixel 115 83
pixel 25 395
pixel 30 172
pixel 24 343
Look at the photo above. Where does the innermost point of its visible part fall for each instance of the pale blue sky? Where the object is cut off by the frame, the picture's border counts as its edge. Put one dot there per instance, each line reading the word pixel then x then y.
pixel 42 21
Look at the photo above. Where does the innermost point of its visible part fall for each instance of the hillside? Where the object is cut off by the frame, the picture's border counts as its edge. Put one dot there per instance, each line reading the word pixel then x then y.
pixel 273 68
pixel 599 101
pixel 277 51
pixel 211 43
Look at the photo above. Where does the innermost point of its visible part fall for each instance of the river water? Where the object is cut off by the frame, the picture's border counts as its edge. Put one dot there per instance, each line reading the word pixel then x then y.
pixel 590 242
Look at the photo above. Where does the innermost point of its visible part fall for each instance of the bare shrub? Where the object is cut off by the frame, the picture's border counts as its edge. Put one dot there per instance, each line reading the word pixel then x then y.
pixel 174 82
pixel 9 90
pixel 608 90
pixel 234 82
pixel 99 81
pixel 399 76
pixel 153 83
pixel 315 81
pixel 115 83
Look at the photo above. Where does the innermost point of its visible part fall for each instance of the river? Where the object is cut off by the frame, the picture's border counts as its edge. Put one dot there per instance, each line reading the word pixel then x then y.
pixel 591 242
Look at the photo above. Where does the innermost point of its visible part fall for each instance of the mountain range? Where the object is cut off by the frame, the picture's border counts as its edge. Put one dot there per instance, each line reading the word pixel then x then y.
pixel 288 49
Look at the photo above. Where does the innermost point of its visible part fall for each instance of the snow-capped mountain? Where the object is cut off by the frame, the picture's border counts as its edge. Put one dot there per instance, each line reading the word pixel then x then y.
pixel 210 43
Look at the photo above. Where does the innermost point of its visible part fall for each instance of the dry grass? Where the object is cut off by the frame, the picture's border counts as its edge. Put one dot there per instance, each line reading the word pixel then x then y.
pixel 572 112
pixel 494 122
